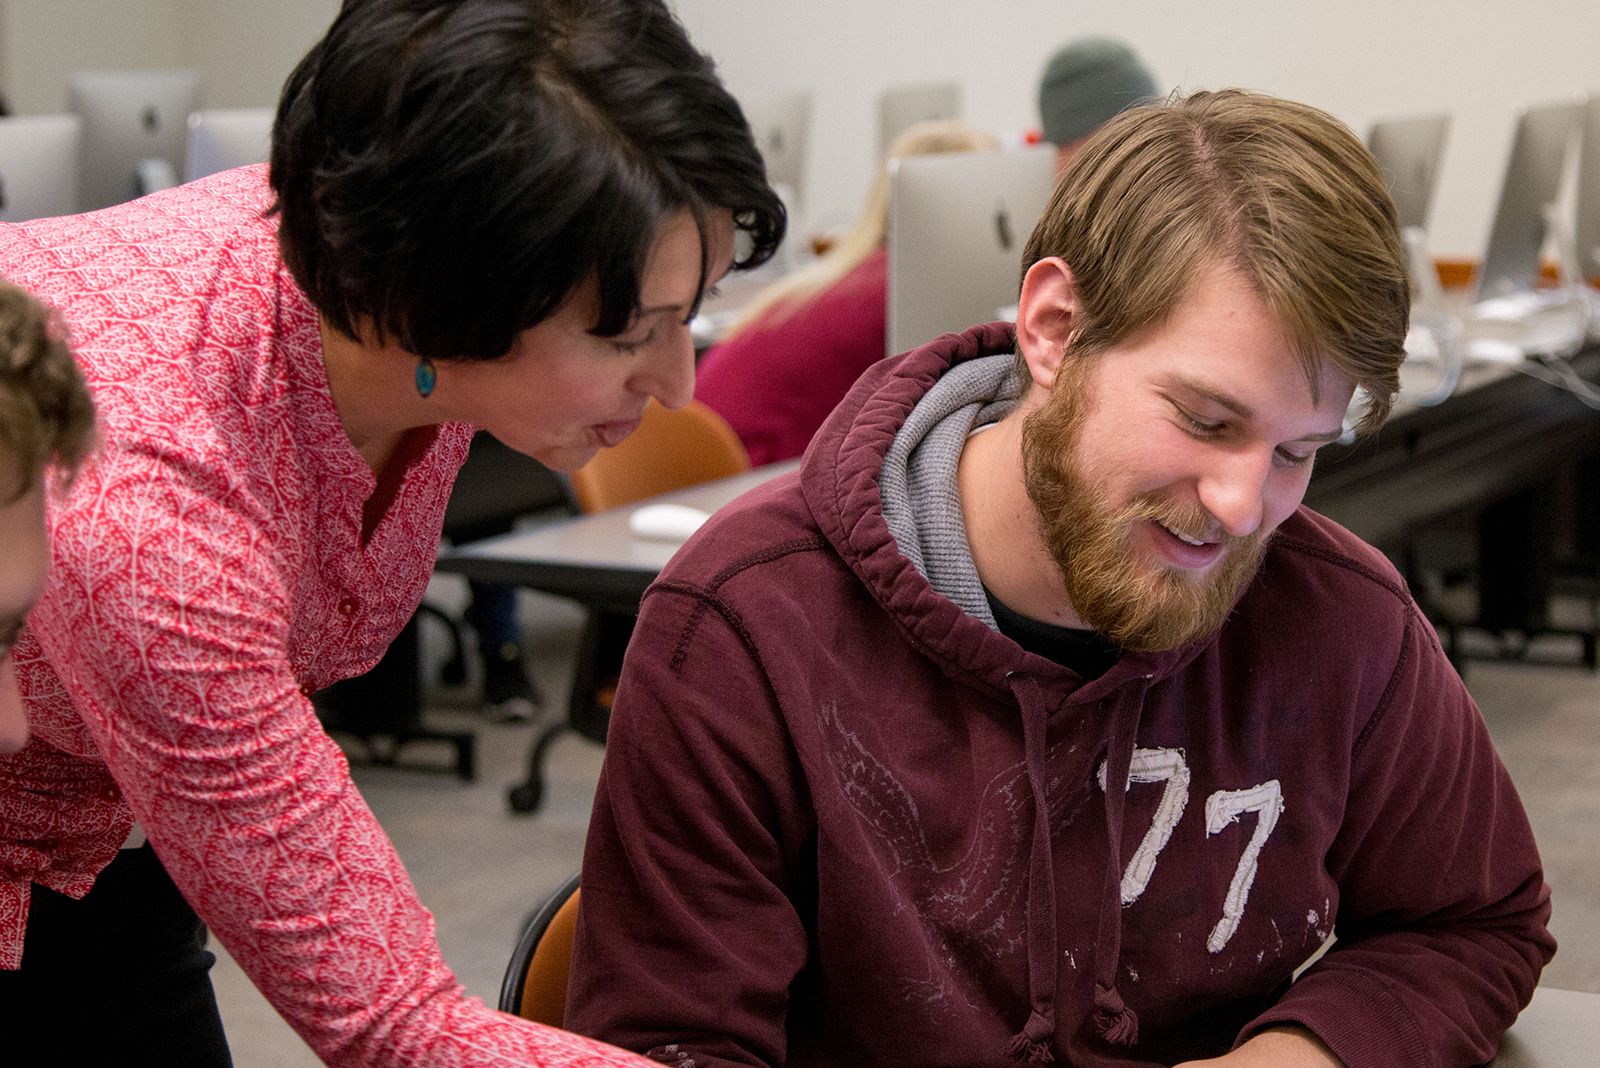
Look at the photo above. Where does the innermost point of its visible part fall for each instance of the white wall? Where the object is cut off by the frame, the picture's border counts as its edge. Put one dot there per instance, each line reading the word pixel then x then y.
pixel 47 40
pixel 1360 59
pixel 243 48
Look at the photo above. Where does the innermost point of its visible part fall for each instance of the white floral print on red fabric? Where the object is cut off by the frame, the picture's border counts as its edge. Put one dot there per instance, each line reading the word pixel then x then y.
pixel 208 573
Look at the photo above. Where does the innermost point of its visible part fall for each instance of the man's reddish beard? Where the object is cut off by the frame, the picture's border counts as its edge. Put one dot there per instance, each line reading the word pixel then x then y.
pixel 1138 605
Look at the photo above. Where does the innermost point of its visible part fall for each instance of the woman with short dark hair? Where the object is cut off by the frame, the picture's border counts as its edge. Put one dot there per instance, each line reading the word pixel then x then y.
pixel 479 213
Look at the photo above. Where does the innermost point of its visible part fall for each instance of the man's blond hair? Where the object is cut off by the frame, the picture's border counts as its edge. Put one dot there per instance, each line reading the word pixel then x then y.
pixel 45 412
pixel 1280 191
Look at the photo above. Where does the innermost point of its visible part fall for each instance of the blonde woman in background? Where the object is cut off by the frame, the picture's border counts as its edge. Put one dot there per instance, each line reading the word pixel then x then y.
pixel 801 344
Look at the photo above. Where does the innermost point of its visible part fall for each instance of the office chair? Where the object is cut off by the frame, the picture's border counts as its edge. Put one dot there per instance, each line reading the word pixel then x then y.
pixel 383 708
pixel 535 984
pixel 669 451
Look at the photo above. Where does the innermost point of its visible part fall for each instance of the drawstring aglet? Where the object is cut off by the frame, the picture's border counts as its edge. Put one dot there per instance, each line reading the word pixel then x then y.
pixel 1032 1042
pixel 1116 1022
pixel 1020 1048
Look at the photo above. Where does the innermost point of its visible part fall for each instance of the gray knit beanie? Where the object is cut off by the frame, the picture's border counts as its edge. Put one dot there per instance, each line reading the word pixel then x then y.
pixel 1087 82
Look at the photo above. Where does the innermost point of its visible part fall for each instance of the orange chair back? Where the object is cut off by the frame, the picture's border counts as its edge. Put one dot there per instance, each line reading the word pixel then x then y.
pixel 544 991
pixel 670 450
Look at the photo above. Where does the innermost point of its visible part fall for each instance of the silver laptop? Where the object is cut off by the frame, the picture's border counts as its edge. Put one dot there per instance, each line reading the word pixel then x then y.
pixel 225 138
pixel 958 223
pixel 903 106
pixel 1545 134
pixel 1409 153
pixel 135 130
pixel 39 160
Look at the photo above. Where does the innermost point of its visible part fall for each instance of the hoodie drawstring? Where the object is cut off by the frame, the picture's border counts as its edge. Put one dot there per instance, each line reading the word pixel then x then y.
pixel 1113 1019
pixel 1033 1041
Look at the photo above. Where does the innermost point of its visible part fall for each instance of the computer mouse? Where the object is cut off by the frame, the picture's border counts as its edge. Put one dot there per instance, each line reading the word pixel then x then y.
pixel 666 522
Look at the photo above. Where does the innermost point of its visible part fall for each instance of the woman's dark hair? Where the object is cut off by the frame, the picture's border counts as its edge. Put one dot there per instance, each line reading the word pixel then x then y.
pixel 451 169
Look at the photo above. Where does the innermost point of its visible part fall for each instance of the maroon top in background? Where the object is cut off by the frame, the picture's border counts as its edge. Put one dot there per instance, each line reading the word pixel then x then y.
pixel 778 379
pixel 813 841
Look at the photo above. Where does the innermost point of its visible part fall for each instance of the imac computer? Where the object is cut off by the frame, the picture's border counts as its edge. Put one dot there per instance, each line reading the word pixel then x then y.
pixel 1409 153
pixel 782 129
pixel 1539 150
pixel 226 138
pixel 1588 228
pixel 957 226
pixel 39 166
pixel 906 105
pixel 135 126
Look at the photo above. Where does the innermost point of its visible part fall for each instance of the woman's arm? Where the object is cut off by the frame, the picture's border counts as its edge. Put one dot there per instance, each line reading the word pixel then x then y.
pixel 167 619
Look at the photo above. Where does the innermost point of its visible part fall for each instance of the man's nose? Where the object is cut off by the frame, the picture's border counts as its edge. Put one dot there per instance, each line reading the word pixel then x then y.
pixel 1234 491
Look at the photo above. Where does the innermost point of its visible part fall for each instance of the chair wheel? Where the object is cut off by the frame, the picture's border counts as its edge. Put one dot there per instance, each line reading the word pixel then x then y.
pixel 525 797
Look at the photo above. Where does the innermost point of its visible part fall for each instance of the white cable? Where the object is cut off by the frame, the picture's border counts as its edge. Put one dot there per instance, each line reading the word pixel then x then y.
pixel 1556 371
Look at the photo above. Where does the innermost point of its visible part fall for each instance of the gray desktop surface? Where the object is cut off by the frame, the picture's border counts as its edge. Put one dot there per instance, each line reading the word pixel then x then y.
pixel 595 558
pixel 1588 228
pixel 958 222
pixel 1409 153
pixel 39 164
pixel 1533 174
pixel 903 106
pixel 1558 1029
pixel 129 116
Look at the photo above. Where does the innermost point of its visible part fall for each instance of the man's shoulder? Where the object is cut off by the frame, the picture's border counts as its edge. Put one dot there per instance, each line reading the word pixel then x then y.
pixel 1313 544
pixel 1320 584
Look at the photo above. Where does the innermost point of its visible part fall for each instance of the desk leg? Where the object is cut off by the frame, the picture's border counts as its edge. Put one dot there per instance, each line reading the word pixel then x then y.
pixel 1515 549
pixel 600 651
pixel 383 708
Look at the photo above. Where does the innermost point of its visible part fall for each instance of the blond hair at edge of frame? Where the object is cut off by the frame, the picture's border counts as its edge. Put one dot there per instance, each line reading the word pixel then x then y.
pixel 869 230
pixel 1282 191
pixel 46 415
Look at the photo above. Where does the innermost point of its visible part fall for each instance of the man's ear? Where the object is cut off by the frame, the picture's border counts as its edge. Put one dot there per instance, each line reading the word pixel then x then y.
pixel 1047 312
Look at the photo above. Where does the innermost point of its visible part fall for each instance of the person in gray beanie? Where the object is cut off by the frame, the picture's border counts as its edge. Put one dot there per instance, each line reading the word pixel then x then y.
pixel 1086 82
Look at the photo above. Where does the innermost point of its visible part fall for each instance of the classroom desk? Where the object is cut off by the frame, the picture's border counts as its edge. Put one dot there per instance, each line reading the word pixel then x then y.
pixel 595 559
pixel 1499 432
pixel 1495 448
pixel 1558 1029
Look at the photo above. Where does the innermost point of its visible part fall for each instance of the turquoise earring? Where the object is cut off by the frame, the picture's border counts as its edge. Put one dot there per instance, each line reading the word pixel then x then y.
pixel 426 376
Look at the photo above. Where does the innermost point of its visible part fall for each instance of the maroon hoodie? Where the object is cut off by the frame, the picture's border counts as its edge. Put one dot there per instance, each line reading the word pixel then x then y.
pixel 818 837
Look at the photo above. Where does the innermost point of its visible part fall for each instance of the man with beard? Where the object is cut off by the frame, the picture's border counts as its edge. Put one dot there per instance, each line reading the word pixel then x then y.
pixel 1035 720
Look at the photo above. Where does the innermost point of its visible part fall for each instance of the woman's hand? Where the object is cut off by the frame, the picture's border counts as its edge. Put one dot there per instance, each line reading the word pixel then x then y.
pixel 1281 1047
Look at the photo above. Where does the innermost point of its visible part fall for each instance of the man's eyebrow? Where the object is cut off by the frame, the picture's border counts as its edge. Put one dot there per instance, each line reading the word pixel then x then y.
pixel 1243 410
pixel 1233 404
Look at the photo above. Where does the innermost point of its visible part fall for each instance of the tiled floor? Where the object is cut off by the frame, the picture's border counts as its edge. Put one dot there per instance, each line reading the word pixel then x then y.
pixel 481 870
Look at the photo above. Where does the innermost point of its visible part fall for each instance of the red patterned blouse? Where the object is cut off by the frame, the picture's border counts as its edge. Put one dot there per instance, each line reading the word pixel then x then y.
pixel 208 573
